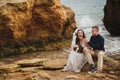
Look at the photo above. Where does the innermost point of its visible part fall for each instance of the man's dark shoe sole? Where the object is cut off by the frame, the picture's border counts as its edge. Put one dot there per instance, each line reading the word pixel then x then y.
pixel 92 68
pixel 90 72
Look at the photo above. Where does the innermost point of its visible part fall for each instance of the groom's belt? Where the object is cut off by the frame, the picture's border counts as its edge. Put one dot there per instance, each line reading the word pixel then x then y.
pixel 98 50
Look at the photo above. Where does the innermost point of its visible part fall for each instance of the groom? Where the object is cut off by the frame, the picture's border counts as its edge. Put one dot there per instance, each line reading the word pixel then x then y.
pixel 96 44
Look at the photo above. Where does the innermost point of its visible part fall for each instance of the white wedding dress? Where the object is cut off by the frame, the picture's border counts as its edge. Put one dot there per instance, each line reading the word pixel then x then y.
pixel 76 60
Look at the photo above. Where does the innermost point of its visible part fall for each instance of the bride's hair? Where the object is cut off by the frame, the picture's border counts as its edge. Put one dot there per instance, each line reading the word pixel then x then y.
pixel 77 39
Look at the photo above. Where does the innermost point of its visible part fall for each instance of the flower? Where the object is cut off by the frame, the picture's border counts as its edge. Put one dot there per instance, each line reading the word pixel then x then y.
pixel 80 49
pixel 76 48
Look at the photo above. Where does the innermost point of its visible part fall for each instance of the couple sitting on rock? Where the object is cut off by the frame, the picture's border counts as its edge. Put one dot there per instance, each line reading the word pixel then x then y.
pixel 82 51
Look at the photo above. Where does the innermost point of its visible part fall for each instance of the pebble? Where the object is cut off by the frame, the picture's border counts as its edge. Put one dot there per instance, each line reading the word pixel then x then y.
pixel 111 72
pixel 71 77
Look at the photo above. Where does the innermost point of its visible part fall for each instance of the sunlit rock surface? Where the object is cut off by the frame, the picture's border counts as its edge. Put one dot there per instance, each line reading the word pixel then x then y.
pixel 33 22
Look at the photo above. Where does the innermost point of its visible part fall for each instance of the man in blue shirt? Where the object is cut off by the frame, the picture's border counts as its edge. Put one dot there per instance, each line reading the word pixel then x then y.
pixel 96 47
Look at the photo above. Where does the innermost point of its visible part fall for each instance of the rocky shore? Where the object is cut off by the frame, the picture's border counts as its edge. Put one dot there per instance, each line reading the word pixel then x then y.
pixel 43 30
pixel 47 65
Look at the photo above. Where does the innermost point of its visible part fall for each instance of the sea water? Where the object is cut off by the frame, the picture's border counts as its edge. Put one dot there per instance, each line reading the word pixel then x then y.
pixel 89 13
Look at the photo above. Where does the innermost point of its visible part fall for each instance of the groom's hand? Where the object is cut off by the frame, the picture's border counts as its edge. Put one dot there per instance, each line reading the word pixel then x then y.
pixel 88 46
pixel 86 40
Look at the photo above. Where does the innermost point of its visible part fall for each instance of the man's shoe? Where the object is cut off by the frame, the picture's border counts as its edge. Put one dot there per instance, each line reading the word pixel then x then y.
pixel 92 68
pixel 98 71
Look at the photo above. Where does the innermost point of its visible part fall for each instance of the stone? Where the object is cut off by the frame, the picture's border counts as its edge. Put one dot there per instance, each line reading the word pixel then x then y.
pixel 47 2
pixel 112 72
pixel 39 76
pixel 1 63
pixel 108 61
pixel 29 69
pixel 54 64
pixel 35 23
pixel 113 64
pixel 112 16
pixel 112 77
pixel 9 68
pixel 98 75
pixel 30 63
pixel 72 77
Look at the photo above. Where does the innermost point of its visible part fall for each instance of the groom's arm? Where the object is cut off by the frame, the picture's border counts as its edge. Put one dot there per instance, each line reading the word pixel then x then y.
pixel 99 44
pixel 86 43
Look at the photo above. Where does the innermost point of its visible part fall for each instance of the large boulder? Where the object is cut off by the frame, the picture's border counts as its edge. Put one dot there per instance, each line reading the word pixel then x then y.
pixel 35 23
pixel 112 16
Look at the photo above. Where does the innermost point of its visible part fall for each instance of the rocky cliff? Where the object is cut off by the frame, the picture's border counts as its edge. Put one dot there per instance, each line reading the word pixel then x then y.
pixel 33 23
pixel 112 16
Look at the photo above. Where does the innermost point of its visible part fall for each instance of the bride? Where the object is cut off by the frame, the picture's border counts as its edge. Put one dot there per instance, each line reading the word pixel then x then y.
pixel 77 59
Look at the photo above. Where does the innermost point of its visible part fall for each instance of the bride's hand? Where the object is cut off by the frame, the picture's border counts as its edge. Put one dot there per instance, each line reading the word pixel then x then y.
pixel 75 47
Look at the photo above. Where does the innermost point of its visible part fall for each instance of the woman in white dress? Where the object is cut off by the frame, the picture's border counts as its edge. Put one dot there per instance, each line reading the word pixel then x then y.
pixel 77 59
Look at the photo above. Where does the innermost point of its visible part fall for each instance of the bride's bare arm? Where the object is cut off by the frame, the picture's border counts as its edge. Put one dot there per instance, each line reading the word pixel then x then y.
pixel 86 43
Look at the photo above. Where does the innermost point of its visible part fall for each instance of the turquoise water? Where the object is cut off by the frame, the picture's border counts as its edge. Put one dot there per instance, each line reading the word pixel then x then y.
pixel 89 13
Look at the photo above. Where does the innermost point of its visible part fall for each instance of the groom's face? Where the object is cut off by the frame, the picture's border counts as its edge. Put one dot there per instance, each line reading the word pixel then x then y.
pixel 95 31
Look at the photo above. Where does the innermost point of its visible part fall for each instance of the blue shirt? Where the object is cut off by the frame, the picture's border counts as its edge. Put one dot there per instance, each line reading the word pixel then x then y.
pixel 97 42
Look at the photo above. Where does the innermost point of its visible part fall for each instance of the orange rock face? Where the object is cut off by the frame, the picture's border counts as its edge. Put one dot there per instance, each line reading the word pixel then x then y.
pixel 27 22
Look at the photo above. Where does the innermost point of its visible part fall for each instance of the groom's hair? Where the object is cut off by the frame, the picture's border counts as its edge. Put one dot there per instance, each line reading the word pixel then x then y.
pixel 96 27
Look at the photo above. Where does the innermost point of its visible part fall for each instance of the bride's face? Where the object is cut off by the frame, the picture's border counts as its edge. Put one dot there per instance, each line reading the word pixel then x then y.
pixel 80 34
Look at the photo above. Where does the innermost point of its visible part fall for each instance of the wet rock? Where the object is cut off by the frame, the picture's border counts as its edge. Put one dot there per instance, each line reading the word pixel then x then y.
pixel 54 64
pixel 31 62
pixel 112 16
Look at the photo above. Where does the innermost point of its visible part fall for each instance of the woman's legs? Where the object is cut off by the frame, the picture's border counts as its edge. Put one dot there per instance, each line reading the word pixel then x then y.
pixel 88 54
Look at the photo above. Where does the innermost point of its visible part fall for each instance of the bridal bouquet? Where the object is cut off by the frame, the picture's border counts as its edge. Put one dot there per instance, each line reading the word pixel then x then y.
pixel 78 48
pixel 75 48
